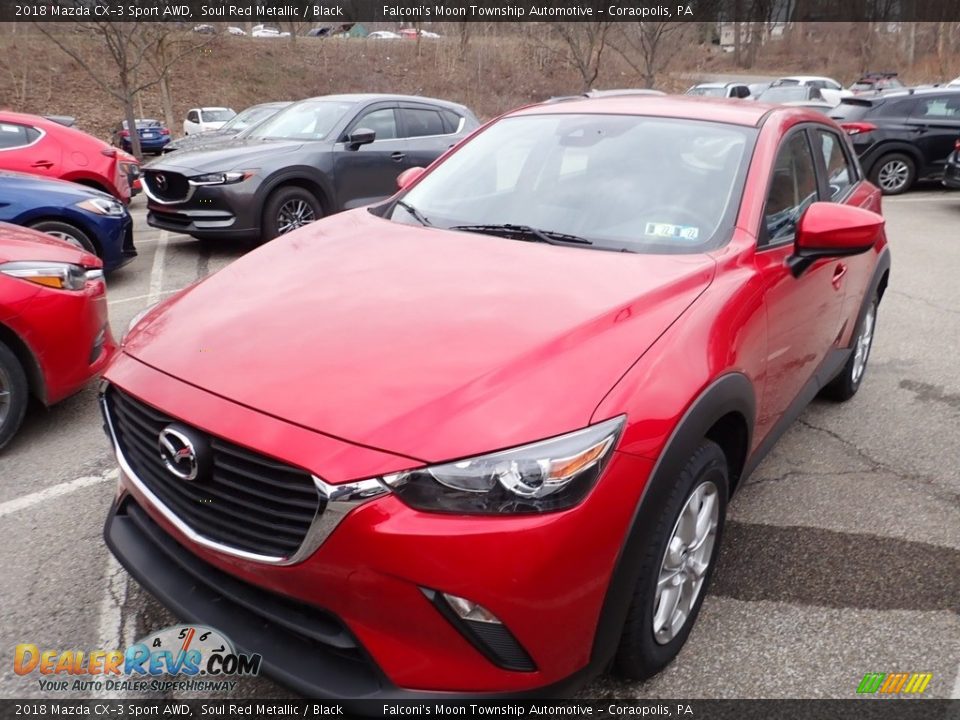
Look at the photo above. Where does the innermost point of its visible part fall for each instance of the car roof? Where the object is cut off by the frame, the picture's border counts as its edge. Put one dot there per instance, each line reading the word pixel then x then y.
pixel 373 97
pixel 901 93
pixel 681 107
pixel 803 78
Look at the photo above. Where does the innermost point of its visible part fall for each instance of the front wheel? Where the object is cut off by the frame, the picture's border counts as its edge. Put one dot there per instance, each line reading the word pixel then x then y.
pixel 288 209
pixel 68 233
pixel 677 566
pixel 13 394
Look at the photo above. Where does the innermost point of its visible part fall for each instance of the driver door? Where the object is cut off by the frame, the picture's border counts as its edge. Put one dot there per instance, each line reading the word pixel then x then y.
pixel 367 174
pixel 803 313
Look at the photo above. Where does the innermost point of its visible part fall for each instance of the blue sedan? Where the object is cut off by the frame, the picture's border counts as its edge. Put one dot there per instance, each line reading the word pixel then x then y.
pixel 81 216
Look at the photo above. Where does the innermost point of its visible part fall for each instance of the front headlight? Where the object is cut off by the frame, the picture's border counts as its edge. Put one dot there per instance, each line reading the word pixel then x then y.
pixel 221 178
pixel 62 276
pixel 545 476
pixel 102 206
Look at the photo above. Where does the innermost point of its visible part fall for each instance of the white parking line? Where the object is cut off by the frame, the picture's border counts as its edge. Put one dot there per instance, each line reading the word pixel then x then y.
pixel 118 301
pixel 113 632
pixel 955 695
pixel 27 501
pixel 156 272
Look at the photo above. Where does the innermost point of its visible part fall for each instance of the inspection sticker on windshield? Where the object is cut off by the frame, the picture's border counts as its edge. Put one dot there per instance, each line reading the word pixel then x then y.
pixel 668 230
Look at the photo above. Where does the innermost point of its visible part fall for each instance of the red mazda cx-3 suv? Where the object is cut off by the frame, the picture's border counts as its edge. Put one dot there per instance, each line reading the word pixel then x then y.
pixel 480 438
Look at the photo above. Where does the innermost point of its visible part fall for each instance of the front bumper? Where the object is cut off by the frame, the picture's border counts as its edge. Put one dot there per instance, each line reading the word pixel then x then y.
pixel 371 577
pixel 209 212
pixel 951 173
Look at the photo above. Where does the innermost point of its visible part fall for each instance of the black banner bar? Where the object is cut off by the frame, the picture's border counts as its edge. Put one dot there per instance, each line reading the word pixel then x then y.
pixel 344 11
pixel 858 709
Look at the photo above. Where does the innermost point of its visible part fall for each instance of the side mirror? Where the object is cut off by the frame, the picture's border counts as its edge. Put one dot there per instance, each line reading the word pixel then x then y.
pixel 408 177
pixel 832 230
pixel 360 136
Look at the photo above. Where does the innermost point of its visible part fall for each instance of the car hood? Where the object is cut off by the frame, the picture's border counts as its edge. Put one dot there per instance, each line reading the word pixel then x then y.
pixel 232 154
pixel 32 184
pixel 19 244
pixel 423 342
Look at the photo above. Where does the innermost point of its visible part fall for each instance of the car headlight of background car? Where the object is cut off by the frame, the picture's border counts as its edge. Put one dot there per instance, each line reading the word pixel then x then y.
pixel 221 178
pixel 102 206
pixel 62 276
pixel 544 476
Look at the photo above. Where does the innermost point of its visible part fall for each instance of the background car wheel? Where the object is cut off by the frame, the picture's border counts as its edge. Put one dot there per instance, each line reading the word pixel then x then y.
pixel 69 233
pixel 845 385
pixel 13 394
pixel 894 173
pixel 287 209
pixel 677 567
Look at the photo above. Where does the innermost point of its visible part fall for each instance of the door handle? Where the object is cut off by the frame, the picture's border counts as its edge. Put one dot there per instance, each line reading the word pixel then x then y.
pixel 45 164
pixel 838 274
pixel 397 156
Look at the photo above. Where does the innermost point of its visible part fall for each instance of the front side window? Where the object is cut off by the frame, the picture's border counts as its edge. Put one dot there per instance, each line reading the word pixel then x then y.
pixel 383 122
pixel 840 174
pixel 792 190
pixel 192 116
pixel 622 182
pixel 217 115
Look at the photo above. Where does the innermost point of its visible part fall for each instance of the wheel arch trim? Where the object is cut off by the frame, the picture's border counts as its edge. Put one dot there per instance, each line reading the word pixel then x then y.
pixel 28 361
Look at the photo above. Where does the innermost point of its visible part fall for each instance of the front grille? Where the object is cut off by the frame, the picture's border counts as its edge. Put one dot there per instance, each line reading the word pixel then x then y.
pixel 246 501
pixel 166 186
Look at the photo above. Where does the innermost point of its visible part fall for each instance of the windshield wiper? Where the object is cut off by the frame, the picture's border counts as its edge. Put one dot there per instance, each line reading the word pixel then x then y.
pixel 525 232
pixel 417 215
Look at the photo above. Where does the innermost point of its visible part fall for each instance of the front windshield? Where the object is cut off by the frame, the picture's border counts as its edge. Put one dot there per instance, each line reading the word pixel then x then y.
pixel 708 91
pixel 623 182
pixel 216 115
pixel 306 120
pixel 248 117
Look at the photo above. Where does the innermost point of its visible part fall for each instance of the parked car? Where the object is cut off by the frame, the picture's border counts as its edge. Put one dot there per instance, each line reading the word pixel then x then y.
pixel 413 33
pixel 205 29
pixel 951 172
pixel 154 135
pixel 35 145
pixel 200 120
pixel 902 136
pixel 777 94
pixel 86 218
pixel 830 89
pixel 720 89
pixel 493 422
pixel 875 82
pixel 54 332
pixel 234 30
pixel 311 159
pixel 757 88
pixel 238 123
pixel 383 35
pixel 267 31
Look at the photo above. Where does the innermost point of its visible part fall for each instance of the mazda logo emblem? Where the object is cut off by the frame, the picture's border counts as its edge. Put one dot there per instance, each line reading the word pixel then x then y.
pixel 161 181
pixel 184 454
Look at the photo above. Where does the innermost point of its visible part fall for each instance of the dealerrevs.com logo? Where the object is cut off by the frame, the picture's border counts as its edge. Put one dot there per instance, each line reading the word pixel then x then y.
pixel 181 657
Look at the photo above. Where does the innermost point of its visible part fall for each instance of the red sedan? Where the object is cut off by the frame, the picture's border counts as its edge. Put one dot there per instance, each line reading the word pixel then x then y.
pixel 36 145
pixel 54 334
pixel 480 438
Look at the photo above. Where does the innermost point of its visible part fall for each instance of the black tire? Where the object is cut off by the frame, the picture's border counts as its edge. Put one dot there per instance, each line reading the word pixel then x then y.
pixel 894 174
pixel 281 201
pixel 640 654
pixel 14 394
pixel 62 229
pixel 845 385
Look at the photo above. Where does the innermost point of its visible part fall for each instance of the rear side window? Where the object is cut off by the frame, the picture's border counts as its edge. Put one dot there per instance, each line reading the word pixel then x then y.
pixel 792 190
pixel 14 136
pixel 840 174
pixel 943 106
pixel 451 120
pixel 422 123
pixel 850 111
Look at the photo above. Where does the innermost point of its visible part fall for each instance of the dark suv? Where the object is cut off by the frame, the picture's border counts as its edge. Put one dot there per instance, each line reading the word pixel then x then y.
pixel 902 136
pixel 313 158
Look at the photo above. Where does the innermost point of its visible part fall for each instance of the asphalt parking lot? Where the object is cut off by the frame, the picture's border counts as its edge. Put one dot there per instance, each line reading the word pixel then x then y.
pixel 842 553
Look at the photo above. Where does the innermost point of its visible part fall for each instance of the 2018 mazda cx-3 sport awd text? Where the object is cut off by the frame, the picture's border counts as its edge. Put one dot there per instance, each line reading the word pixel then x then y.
pixel 480 438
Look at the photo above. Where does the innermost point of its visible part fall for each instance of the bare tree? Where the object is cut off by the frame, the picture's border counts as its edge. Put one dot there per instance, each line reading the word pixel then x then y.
pixel 583 46
pixel 141 54
pixel 648 47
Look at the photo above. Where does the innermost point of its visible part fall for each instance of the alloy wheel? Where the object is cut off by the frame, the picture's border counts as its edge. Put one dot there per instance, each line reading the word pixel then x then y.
pixel 685 562
pixel 66 237
pixel 893 175
pixel 294 214
pixel 5 395
pixel 862 350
